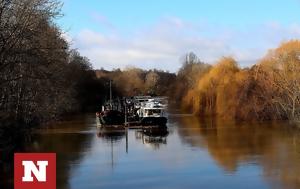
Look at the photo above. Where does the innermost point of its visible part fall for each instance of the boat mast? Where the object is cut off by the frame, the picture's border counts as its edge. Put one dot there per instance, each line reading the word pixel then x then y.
pixel 112 153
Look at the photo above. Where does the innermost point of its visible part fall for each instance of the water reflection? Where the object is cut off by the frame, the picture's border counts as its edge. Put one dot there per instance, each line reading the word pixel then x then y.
pixel 273 147
pixel 153 139
pixel 149 137
pixel 227 143
pixel 114 136
pixel 191 153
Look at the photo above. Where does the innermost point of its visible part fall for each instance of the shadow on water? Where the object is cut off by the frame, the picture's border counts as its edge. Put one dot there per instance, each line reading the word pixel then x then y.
pixel 66 139
pixel 7 157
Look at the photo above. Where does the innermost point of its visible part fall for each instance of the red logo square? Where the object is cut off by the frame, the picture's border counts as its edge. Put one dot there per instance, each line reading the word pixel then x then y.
pixel 35 171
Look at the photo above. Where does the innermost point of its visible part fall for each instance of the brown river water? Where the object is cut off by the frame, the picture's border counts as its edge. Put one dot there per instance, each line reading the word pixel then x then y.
pixel 193 154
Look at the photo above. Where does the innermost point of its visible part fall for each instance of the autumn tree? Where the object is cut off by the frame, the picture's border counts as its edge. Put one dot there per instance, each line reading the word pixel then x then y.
pixel 215 90
pixel 268 90
pixel 130 81
pixel 281 68
pixel 151 82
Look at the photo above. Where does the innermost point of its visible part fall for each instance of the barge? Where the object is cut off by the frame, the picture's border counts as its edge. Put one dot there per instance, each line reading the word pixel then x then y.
pixel 143 112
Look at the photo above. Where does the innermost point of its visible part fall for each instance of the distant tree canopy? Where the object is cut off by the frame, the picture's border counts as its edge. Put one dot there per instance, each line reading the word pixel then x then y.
pixel 134 81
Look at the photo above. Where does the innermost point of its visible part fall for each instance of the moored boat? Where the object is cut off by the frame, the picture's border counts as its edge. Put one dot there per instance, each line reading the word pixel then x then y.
pixel 152 112
pixel 112 115
pixel 134 112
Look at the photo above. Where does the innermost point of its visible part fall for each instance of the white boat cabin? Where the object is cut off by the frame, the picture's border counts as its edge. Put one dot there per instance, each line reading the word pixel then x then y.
pixel 151 109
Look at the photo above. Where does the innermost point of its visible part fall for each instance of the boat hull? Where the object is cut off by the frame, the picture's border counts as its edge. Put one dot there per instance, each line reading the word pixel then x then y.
pixel 148 121
pixel 111 118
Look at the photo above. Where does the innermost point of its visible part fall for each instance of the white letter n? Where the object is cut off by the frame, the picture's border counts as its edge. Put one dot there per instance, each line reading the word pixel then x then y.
pixel 30 167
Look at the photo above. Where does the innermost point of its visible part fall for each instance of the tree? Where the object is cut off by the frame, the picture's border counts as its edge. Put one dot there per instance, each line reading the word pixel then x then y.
pixel 282 69
pixel 188 76
pixel 151 82
pixel 130 81
pixel 33 62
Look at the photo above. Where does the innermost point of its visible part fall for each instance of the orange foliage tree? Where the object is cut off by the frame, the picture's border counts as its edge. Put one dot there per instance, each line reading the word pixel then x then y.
pixel 268 90
pixel 281 68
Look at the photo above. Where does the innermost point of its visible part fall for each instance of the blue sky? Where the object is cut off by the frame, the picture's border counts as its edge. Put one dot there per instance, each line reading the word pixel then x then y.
pixel 157 33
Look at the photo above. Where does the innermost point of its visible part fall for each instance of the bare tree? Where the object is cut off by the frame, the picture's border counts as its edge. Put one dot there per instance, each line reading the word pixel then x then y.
pixel 282 67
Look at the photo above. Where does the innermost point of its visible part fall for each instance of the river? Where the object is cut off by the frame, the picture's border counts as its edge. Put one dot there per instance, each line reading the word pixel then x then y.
pixel 193 154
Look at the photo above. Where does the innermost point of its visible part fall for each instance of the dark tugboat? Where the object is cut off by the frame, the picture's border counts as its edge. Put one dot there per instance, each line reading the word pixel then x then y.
pixel 111 116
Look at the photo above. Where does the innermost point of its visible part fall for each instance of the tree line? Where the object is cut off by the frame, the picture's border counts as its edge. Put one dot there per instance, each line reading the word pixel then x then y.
pixel 42 78
pixel 135 81
pixel 268 90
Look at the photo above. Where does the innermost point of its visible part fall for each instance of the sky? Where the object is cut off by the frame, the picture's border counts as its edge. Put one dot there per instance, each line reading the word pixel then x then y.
pixel 158 33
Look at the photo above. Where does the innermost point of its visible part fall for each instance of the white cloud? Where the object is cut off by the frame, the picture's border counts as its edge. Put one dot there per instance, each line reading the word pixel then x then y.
pixel 161 45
